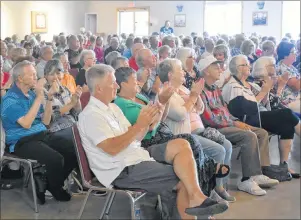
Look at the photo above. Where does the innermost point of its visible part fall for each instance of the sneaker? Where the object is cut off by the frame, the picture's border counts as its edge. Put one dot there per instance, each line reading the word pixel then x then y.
pixel 249 186
pixel 264 181
pixel 225 195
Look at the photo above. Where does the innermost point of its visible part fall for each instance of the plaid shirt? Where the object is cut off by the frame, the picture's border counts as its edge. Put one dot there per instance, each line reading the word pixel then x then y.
pixel 235 51
pixel 216 114
pixel 59 121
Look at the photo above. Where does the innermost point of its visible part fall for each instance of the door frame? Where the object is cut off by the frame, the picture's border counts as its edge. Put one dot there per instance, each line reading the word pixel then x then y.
pixel 132 9
pixel 86 16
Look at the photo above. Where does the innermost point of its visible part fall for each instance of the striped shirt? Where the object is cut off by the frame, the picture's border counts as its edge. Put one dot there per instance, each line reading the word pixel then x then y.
pixel 14 106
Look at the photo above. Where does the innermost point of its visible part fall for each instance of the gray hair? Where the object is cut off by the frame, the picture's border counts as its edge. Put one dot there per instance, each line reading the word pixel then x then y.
pixel 221 48
pixel 95 73
pixel 18 69
pixel 52 67
pixel 233 64
pixel 259 67
pixel 245 46
pixel 165 67
pixel 43 50
pixel 112 56
pixel 187 40
pixel 122 74
pixel 268 45
pixel 114 39
pixel 163 49
pixel 209 45
pixel 166 40
pixel 83 55
pixel 117 62
pixel 183 53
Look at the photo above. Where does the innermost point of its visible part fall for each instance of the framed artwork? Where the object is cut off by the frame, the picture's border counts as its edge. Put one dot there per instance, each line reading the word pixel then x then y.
pixel 39 22
pixel 260 18
pixel 180 20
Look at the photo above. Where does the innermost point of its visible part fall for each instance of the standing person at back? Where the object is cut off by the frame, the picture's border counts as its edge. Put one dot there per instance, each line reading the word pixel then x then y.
pixel 166 29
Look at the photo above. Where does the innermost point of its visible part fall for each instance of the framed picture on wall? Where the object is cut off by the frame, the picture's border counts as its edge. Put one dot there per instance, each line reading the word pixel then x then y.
pixel 180 20
pixel 39 23
pixel 260 18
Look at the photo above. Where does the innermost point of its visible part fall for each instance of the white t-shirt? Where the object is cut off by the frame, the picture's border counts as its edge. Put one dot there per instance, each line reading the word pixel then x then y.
pixel 98 122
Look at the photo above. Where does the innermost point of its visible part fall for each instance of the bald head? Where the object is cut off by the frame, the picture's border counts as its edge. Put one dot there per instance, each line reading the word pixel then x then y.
pixel 145 58
pixel 136 47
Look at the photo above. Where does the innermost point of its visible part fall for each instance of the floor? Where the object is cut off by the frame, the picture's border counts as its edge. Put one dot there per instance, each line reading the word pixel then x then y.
pixel 283 202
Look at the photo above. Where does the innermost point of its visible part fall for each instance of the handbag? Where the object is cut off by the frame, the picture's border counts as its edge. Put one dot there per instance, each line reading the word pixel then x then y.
pixel 214 135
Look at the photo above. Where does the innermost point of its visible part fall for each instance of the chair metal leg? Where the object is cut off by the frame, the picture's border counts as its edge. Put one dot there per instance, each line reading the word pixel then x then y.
pixel 27 177
pixel 109 205
pixel 132 201
pixel 160 206
pixel 84 204
pixel 33 186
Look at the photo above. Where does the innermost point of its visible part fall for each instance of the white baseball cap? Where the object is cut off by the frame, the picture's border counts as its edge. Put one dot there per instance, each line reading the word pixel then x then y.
pixel 207 61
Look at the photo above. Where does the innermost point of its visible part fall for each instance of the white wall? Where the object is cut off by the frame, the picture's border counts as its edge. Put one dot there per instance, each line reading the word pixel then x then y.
pixel 70 16
pixel 274 9
pixel 159 12
pixel 63 16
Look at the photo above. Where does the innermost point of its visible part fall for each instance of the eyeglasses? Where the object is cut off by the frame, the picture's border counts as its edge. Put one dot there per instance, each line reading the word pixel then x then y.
pixel 244 65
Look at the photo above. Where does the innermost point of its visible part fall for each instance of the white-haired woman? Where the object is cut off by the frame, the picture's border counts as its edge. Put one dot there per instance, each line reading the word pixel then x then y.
pixel 222 53
pixel 249 102
pixel 183 117
pixel 187 56
pixel 87 60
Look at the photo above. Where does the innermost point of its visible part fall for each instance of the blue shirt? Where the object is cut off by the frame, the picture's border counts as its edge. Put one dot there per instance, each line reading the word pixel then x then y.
pixel 14 106
pixel 235 51
pixel 127 53
pixel 166 30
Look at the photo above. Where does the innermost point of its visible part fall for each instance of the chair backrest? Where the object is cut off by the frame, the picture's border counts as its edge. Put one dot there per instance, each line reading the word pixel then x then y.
pixel 84 99
pixel 83 163
pixel 74 72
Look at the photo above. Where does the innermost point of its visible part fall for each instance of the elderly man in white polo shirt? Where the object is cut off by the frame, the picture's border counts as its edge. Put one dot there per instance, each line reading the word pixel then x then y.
pixel 113 149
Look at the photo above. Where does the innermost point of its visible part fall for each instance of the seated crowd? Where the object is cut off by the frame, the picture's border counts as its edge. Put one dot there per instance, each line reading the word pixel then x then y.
pixel 161 113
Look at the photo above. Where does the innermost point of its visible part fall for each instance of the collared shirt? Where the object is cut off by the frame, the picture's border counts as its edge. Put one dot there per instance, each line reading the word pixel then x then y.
pixel 40 68
pixel 133 64
pixel 155 51
pixel 216 113
pixel 99 122
pixel 288 95
pixel 235 51
pixel 14 106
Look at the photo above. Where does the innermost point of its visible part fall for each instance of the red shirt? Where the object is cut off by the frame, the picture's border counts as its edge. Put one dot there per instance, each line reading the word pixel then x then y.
pixel 133 64
pixel 5 78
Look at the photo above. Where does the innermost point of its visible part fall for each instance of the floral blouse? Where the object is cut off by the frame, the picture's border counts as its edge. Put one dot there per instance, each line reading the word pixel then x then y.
pixel 189 79
pixel 288 95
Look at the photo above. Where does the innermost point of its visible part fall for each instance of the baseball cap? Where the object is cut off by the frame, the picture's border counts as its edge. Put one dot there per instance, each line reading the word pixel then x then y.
pixel 207 61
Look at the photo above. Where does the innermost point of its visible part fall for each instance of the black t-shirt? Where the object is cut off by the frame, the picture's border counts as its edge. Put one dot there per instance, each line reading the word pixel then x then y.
pixel 81 78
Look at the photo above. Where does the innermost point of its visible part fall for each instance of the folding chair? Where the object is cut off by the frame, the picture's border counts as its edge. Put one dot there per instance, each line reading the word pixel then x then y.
pixel 84 99
pixel 30 163
pixel 88 182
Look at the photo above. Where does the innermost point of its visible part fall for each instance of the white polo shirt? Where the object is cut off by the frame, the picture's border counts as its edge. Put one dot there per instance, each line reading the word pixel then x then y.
pixel 98 122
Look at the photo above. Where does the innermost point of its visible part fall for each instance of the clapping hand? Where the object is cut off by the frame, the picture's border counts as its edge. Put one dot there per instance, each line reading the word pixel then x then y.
pixel 165 93
pixel 197 87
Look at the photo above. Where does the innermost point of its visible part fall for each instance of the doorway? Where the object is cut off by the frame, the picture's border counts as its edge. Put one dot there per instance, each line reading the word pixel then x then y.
pixel 91 23
pixel 133 20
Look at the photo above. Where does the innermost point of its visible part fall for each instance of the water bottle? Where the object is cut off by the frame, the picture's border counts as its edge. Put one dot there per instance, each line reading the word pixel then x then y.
pixel 137 212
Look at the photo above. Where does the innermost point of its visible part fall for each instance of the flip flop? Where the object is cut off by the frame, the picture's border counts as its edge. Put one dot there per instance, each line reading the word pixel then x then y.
pixel 6 186
pixel 220 171
pixel 208 207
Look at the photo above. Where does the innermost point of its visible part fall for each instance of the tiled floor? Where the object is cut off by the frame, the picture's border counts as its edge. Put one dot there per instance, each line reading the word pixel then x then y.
pixel 283 202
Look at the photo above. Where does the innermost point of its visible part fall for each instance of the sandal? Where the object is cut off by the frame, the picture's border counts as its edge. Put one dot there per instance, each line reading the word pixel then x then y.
pixel 220 174
pixel 6 186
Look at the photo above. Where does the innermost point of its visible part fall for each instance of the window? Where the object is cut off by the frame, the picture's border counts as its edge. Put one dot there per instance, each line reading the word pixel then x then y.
pixel 223 17
pixel 134 20
pixel 291 18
